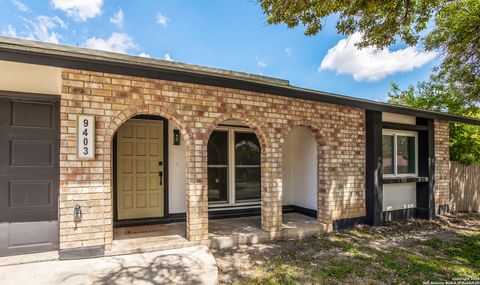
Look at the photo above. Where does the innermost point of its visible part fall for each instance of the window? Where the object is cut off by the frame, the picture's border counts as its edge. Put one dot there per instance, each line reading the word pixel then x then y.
pixel 218 167
pixel 234 168
pixel 399 153
pixel 247 167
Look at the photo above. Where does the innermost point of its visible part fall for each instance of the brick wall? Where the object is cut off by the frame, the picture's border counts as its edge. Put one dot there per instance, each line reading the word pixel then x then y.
pixel 442 163
pixel 196 110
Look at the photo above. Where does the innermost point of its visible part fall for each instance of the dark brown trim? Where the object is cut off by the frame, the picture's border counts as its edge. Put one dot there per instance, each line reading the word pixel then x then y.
pixel 426 168
pixel 392 180
pixel 234 213
pixel 35 97
pixel 403 214
pixel 189 76
pixel 373 168
pixel 166 214
pixel 305 211
pixel 234 126
pixel 348 223
pixel 403 127
pixel 81 252
pixel 170 218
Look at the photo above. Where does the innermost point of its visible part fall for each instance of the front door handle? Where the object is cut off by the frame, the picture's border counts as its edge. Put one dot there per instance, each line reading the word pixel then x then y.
pixel 161 177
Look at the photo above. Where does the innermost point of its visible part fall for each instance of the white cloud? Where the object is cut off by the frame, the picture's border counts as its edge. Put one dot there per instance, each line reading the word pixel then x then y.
pixel 288 51
pixel 162 20
pixel 261 63
pixel 42 28
pixel 167 57
pixel 117 18
pixel 369 64
pixel 144 55
pixel 117 42
pixel 20 6
pixel 10 32
pixel 80 10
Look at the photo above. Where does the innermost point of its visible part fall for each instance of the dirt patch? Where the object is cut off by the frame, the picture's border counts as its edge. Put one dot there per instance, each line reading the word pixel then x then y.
pixel 362 255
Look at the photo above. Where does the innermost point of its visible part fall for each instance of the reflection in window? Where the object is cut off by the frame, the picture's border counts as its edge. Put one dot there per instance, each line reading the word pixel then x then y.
pixel 217 148
pixel 247 183
pixel 247 166
pixel 387 144
pixel 405 154
pixel 218 167
pixel 234 171
pixel 399 153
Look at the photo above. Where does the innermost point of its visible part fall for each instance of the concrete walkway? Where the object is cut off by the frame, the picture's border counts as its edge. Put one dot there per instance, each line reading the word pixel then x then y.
pixel 191 265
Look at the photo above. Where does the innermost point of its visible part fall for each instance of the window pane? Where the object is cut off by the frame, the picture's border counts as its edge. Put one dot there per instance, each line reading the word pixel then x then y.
pixel 217 184
pixel 406 160
pixel 247 183
pixel 387 143
pixel 218 148
pixel 247 149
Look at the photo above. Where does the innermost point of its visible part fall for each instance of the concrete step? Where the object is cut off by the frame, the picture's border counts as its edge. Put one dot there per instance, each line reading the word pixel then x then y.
pixel 233 239
pixel 150 244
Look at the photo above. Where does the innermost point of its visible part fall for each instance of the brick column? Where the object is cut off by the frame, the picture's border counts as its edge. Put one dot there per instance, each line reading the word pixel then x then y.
pixel 271 189
pixel 442 163
pixel 197 191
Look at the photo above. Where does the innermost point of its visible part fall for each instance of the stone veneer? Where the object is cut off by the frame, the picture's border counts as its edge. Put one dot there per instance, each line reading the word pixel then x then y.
pixel 442 163
pixel 196 110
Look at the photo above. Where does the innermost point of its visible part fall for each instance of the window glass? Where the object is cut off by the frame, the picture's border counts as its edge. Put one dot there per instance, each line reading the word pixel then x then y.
pixel 387 148
pixel 405 155
pixel 244 159
pixel 218 167
pixel 247 149
pixel 218 184
pixel 247 183
pixel 218 148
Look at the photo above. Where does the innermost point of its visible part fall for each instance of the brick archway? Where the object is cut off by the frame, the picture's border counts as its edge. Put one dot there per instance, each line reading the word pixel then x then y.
pixel 132 111
pixel 324 212
pixel 245 118
pixel 113 127
pixel 270 189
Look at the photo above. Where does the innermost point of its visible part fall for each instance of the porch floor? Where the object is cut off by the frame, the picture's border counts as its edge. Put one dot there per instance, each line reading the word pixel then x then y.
pixel 223 233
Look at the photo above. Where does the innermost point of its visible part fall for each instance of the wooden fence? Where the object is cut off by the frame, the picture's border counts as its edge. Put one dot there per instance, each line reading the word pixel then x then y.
pixel 464 187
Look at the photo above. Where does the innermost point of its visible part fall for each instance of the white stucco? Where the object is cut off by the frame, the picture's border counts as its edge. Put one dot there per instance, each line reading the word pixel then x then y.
pixel 31 78
pixel 300 169
pixel 177 174
pixel 399 196
pixel 399 118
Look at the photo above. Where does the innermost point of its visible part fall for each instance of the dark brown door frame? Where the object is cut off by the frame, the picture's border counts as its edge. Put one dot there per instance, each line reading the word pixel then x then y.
pixel 147 221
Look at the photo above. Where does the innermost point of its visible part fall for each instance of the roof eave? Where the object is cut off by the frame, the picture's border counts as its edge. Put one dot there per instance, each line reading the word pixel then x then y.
pixel 80 58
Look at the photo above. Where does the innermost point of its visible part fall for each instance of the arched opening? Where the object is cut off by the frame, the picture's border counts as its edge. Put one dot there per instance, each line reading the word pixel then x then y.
pixel 300 171
pixel 233 170
pixel 149 173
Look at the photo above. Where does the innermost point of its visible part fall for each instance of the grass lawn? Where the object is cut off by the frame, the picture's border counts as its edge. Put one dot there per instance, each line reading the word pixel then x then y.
pixel 411 252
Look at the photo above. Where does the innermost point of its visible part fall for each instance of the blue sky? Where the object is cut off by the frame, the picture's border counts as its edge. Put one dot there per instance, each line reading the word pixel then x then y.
pixel 217 33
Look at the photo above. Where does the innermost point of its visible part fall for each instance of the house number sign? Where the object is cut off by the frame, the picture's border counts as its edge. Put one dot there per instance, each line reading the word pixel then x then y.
pixel 86 137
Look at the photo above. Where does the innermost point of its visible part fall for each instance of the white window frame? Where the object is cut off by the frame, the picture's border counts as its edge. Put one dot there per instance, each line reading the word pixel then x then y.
pixel 231 169
pixel 395 134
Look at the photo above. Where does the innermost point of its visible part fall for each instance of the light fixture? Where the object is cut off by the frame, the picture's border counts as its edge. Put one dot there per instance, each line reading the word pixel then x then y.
pixel 176 137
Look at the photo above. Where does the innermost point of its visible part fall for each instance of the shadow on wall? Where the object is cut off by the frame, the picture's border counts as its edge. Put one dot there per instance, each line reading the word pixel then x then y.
pixel 346 196
pixel 164 269
pixel 464 187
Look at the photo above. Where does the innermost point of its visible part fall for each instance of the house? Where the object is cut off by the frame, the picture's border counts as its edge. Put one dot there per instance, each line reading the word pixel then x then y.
pixel 91 141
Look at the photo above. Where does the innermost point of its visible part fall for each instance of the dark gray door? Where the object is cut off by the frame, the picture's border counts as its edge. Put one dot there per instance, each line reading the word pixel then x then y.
pixel 29 175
